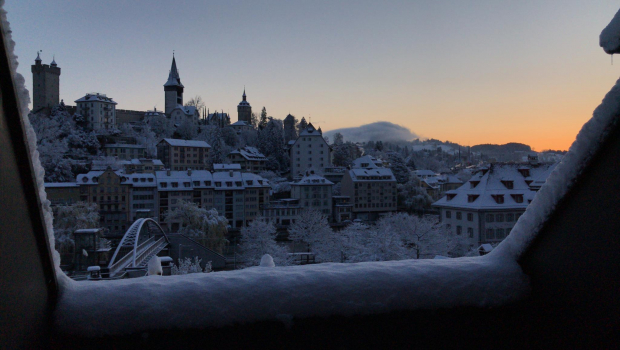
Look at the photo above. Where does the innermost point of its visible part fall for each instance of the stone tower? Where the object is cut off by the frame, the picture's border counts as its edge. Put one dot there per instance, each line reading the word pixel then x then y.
pixel 244 110
pixel 45 84
pixel 173 89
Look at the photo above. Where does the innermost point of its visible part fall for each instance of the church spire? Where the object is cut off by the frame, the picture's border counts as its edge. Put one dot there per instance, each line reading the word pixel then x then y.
pixel 38 59
pixel 173 77
pixel 244 93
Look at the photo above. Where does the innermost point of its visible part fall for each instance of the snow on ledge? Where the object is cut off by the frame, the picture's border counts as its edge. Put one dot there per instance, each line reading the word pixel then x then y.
pixel 609 39
pixel 198 301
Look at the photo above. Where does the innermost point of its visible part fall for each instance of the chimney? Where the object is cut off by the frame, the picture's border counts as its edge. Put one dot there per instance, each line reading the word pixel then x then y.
pixel 168 172
pixel 230 173
pixel 189 171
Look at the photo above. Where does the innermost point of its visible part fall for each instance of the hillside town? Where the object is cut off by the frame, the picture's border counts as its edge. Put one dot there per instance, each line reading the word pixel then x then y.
pixel 201 192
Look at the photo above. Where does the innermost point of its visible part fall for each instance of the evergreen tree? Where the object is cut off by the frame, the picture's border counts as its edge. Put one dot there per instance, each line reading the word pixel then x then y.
pixel 271 144
pixel 263 119
pixel 254 120
pixel 342 156
pixel 303 124
pixel 398 167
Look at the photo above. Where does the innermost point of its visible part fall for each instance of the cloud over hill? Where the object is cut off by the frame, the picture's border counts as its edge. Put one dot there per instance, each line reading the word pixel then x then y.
pixel 384 131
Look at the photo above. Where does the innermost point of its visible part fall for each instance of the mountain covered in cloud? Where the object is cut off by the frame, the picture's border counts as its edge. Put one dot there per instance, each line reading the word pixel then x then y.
pixel 383 131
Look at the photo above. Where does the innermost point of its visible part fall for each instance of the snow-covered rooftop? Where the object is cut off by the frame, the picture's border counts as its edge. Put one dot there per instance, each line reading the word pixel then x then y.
pixel 96 98
pixel 224 167
pixel 313 180
pixel 376 174
pixel 188 180
pixel 502 186
pixel 366 162
pixel 123 145
pixel 310 130
pixel 60 184
pixel 250 153
pixel 186 143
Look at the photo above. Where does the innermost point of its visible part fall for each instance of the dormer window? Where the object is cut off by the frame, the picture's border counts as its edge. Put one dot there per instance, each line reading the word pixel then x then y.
pixel 135 179
pixel 517 198
pixel 474 183
pixel 175 184
pixel 163 184
pixel 525 172
pixel 499 198
pixel 472 197
pixel 508 183
pixel 207 183
pixel 228 183
pixel 196 183
pixel 449 196
pixel 238 183
pixel 249 182
pixel 218 184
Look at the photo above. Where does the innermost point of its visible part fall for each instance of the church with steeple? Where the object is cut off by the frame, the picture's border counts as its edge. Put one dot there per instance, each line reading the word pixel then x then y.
pixel 173 90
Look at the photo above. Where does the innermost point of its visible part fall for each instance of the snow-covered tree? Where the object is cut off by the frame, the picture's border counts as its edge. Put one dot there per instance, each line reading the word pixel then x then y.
pixel 311 227
pixel 147 138
pixel 213 136
pixel 247 138
pixel 254 121
pixel 187 130
pixel 398 167
pixel 61 144
pixel 412 196
pixel 262 122
pixel 229 136
pixel 302 125
pixel 187 266
pixel 381 242
pixel 429 237
pixel 161 126
pixel 206 226
pixel 271 144
pixel 278 184
pixel 68 218
pixel 258 239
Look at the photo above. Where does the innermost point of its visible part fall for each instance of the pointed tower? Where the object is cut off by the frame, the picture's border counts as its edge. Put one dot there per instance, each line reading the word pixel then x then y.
pixel 45 84
pixel 173 88
pixel 244 110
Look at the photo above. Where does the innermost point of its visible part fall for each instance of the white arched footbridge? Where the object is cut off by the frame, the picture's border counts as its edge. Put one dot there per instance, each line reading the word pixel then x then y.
pixel 143 240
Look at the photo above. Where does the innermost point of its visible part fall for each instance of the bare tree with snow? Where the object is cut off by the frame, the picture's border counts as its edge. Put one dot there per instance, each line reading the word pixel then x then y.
pixel 206 226
pixel 68 218
pixel 311 227
pixel 258 239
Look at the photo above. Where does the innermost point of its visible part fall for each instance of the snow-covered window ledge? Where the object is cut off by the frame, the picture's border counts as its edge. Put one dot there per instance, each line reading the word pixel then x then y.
pixel 289 294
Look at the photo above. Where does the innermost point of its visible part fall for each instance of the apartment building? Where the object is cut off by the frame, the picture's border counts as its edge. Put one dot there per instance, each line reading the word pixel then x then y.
pixel 309 151
pixel 98 110
pixel 235 195
pixel 250 159
pixel 124 151
pixel 486 207
pixel 110 190
pixel 183 154
pixel 372 190
pixel 314 192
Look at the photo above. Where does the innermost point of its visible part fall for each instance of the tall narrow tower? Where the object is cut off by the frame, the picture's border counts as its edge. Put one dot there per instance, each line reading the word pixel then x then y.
pixel 244 110
pixel 173 88
pixel 45 84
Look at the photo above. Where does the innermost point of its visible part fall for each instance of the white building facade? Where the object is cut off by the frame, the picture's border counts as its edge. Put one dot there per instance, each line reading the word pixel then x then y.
pixel 309 151
pixel 98 110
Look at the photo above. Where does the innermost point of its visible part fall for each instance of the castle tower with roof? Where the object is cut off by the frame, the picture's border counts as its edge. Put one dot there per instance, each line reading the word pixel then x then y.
pixel 45 84
pixel 244 110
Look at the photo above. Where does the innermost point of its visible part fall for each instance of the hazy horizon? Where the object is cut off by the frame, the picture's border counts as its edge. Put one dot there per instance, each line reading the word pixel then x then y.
pixel 487 72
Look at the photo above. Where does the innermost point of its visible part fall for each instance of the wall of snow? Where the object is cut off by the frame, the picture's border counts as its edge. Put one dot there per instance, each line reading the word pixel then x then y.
pixel 284 293
pixel 24 99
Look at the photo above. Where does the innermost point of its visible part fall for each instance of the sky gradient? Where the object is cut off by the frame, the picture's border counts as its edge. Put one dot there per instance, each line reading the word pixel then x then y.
pixel 468 72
